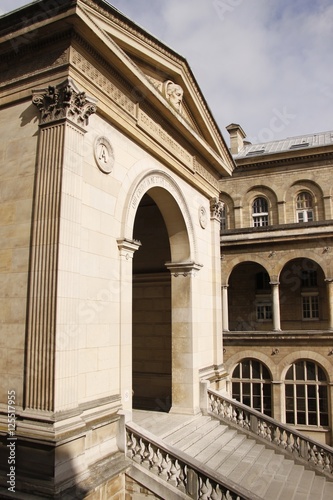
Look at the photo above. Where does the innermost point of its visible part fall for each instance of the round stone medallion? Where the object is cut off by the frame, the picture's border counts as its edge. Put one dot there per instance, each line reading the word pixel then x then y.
pixel 104 155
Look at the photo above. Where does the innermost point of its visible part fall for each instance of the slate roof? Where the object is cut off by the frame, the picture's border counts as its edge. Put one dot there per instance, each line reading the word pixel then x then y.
pixel 300 142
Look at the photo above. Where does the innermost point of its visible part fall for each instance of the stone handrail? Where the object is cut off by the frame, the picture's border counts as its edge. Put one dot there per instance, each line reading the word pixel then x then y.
pixel 316 454
pixel 190 477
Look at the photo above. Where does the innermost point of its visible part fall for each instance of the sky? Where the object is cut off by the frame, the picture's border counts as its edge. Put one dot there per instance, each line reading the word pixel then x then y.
pixel 264 64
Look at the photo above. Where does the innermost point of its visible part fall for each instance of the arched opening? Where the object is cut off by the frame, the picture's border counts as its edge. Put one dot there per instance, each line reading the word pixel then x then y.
pixel 151 344
pixel 250 298
pixel 252 385
pixel 303 296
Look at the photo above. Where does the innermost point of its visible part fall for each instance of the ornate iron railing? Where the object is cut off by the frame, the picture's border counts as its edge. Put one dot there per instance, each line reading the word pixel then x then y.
pixel 173 467
pixel 316 454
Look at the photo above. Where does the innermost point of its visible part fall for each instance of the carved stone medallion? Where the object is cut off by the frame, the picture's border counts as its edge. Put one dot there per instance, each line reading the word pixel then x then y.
pixel 104 155
pixel 203 217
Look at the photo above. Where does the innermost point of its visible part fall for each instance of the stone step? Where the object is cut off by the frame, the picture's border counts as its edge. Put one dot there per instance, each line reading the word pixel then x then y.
pixel 210 451
pixel 317 489
pixel 252 479
pixel 235 458
pixel 206 442
pixel 231 442
pixel 328 491
pixel 305 484
pixel 173 438
pixel 242 468
pixel 196 435
pixel 291 483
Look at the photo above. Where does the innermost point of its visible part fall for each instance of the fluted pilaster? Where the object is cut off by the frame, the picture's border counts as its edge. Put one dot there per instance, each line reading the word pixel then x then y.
pixel 62 117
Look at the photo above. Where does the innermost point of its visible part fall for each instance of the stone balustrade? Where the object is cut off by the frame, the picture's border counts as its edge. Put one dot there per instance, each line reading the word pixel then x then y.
pixel 173 467
pixel 276 433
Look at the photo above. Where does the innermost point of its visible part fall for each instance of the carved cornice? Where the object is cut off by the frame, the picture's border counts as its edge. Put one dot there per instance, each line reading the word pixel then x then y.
pixel 63 101
pixel 183 268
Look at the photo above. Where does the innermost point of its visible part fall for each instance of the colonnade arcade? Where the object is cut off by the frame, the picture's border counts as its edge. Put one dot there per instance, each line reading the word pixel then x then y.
pixel 296 296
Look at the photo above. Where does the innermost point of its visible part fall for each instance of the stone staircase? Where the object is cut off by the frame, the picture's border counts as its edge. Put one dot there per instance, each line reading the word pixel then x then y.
pixel 242 459
pixel 231 453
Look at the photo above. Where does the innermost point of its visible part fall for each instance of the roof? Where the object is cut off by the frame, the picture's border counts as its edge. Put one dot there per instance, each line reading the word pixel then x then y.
pixel 301 142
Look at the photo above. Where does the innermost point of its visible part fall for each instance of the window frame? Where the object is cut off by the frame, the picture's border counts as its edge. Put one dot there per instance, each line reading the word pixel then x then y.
pixel 252 384
pixel 260 216
pixel 304 213
pixel 305 405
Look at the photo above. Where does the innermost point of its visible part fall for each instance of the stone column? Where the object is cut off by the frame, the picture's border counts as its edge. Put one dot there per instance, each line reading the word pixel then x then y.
pixel 225 313
pixel 64 113
pixel 276 306
pixel 126 250
pixel 185 371
pixel 329 282
pixel 216 207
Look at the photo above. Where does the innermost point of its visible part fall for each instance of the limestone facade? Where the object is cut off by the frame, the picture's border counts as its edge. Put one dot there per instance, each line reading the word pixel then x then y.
pixel 276 266
pixel 110 217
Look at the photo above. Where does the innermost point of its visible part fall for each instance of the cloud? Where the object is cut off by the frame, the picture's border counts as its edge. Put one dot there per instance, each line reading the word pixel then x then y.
pixel 253 60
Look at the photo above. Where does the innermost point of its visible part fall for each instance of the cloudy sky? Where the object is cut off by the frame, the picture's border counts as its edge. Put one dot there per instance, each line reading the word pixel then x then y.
pixel 265 64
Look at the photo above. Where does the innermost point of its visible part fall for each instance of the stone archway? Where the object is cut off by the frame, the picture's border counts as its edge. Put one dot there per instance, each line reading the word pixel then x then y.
pixel 151 317
pixel 167 265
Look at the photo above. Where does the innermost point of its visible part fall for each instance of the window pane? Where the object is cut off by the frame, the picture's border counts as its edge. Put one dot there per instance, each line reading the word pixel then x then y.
pixel 300 391
pixel 236 390
pixel 324 419
pixel 290 374
pixel 255 369
pixel 236 372
pixel 321 374
pixel 301 418
pixel 246 389
pixel 290 417
pixel 299 370
pixel 265 373
pixel 246 368
pixel 310 371
pixel 290 391
pixel 312 419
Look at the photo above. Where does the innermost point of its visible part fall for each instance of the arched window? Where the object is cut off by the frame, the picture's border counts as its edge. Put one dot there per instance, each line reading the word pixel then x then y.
pixel 306 394
pixel 251 385
pixel 304 207
pixel 260 212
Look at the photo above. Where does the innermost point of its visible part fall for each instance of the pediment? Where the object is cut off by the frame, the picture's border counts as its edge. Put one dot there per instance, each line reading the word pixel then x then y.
pixel 162 77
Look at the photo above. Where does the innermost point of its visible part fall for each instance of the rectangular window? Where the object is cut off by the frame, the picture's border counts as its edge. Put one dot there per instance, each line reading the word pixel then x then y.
pixel 260 220
pixel 310 307
pixel 264 312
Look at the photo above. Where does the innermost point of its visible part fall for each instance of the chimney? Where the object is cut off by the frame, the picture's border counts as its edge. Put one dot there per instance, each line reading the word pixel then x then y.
pixel 237 136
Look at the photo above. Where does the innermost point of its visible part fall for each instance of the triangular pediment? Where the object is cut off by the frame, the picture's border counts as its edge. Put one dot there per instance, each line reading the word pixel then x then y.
pixel 156 72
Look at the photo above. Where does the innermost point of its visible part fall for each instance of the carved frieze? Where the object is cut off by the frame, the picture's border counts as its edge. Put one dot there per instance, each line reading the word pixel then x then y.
pixel 103 83
pixel 63 101
pixel 203 172
pixel 157 132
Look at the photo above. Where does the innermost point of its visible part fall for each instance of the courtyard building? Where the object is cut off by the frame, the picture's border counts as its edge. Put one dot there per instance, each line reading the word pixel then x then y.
pixel 277 278
pixel 167 302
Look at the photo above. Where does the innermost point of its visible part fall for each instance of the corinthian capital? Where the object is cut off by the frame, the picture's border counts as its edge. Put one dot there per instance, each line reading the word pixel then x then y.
pixel 216 207
pixel 63 101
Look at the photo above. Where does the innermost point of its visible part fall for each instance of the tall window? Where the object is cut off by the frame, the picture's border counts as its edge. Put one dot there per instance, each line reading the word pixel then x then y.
pixel 251 385
pixel 260 212
pixel 310 297
pixel 304 207
pixel 223 218
pixel 306 394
